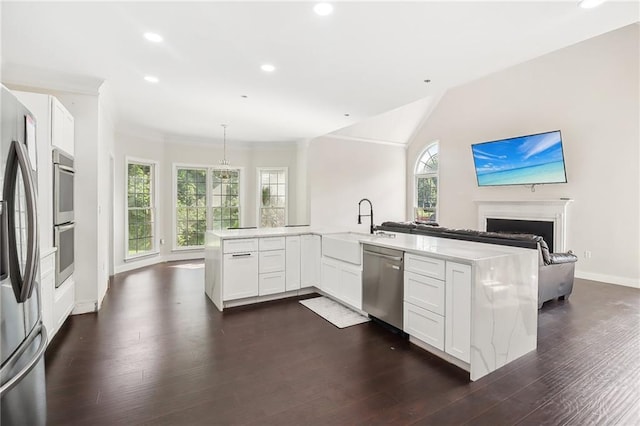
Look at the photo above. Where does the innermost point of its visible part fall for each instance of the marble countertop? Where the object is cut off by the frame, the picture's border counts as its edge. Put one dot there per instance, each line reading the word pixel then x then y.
pixel 265 232
pixel 444 248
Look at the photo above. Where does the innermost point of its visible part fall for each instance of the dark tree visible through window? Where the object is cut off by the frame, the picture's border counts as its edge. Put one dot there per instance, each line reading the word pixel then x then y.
pixel 205 199
pixel 191 207
pixel 140 208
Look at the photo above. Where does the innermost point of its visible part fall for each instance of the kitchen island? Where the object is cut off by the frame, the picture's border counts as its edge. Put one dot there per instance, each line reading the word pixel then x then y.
pixel 472 304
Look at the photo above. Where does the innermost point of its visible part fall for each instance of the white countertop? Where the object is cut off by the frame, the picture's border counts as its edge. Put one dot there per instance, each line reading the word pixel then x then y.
pixel 264 232
pixel 445 248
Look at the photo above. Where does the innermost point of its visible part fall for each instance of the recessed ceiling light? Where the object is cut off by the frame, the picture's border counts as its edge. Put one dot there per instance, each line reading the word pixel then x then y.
pixel 156 38
pixel 323 9
pixel 268 68
pixel 590 4
pixel 151 78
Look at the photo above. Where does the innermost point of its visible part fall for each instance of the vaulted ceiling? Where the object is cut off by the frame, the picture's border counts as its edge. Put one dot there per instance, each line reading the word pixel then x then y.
pixel 331 72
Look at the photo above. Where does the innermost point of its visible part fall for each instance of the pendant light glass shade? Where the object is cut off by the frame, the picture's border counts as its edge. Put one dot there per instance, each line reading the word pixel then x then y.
pixel 224 173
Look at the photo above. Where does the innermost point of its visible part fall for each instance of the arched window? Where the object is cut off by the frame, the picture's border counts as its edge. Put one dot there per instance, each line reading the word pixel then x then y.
pixel 426 185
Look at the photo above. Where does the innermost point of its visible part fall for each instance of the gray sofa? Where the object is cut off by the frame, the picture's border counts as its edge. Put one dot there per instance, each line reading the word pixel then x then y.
pixel 555 271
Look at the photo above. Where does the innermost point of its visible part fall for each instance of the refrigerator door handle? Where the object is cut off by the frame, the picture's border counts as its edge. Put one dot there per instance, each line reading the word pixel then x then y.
pixel 18 159
pixel 4 245
pixel 40 330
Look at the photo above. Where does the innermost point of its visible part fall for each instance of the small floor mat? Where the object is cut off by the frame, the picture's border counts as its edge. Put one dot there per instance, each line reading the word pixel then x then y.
pixel 337 314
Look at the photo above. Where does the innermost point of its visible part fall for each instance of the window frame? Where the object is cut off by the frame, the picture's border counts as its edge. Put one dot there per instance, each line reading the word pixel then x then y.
pixel 154 207
pixel 240 193
pixel 259 171
pixel 417 176
pixel 208 205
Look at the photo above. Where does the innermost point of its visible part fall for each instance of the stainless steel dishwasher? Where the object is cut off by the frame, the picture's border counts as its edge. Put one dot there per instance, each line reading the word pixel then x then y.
pixel 382 284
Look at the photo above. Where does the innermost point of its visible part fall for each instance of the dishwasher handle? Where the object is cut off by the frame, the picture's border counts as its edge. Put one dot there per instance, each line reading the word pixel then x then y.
pixel 396 258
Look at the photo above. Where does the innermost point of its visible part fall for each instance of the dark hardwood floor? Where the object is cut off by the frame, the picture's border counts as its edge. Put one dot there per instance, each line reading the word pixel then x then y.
pixel 159 353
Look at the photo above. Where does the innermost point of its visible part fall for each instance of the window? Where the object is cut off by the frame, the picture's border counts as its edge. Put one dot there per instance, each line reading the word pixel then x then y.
pixel 205 199
pixel 272 194
pixel 191 206
pixel 141 212
pixel 426 185
pixel 225 199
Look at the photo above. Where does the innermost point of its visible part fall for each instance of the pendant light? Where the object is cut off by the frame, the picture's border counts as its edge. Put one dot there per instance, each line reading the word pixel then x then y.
pixel 224 173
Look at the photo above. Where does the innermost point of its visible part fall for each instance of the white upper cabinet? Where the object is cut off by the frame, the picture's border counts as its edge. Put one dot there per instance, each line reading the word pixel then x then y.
pixel 62 127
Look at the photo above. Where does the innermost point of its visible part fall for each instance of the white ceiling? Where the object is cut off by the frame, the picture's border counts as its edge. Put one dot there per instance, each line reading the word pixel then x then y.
pixel 365 59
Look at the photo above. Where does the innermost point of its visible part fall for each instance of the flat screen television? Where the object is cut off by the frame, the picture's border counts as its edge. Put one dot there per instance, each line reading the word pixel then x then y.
pixel 523 160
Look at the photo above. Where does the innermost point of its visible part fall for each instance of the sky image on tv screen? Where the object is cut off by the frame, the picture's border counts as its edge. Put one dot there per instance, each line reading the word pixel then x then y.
pixel 524 160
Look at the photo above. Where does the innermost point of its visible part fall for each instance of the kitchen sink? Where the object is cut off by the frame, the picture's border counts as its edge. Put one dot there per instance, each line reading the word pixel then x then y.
pixel 343 246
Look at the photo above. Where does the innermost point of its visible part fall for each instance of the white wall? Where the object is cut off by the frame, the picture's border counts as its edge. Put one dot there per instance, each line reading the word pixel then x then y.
pixel 93 141
pixel 106 140
pixel 591 92
pixel 340 172
pixel 168 153
pixel 84 109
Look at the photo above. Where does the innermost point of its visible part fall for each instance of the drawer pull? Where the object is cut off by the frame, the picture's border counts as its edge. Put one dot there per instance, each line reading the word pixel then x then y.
pixel 241 255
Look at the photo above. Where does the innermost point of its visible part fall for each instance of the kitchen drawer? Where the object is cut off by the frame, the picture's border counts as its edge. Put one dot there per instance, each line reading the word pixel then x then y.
pixel 271 283
pixel 424 265
pixel 272 261
pixel 425 292
pixel 424 325
pixel 240 245
pixel 272 243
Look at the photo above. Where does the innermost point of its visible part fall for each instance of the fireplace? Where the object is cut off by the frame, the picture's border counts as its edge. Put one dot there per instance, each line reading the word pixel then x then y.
pixel 514 215
pixel 538 227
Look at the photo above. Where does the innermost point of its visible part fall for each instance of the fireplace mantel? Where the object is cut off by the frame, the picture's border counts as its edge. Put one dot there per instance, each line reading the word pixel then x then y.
pixel 552 210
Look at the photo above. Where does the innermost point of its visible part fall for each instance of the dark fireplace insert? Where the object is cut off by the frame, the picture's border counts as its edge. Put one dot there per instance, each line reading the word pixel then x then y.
pixel 538 227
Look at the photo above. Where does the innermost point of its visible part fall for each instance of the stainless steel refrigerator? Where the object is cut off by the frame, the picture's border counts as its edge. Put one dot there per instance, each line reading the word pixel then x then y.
pixel 23 337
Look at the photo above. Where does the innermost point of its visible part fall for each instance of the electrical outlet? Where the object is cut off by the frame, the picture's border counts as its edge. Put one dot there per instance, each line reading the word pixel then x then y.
pixel 587 254
pixel 161 241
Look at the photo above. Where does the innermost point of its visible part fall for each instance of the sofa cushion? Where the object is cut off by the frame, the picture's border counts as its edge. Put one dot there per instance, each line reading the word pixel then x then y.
pixel 544 248
pixel 404 226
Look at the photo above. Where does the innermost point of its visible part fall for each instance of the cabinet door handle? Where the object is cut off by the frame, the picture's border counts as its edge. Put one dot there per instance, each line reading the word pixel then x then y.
pixel 241 255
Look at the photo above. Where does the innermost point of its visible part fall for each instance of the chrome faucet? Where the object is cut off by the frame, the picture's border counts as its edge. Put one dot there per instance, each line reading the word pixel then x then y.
pixel 370 215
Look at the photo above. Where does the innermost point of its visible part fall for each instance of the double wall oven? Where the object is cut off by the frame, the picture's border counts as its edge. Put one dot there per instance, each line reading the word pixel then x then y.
pixel 63 217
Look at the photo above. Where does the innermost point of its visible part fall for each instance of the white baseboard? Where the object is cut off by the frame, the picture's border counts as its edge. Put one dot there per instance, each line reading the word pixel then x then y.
pixel 609 279
pixel 187 255
pixel 135 264
pixel 148 261
pixel 84 307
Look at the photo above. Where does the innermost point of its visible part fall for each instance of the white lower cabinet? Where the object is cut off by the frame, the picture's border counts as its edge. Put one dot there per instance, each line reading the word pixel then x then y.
pixel 351 286
pixel 272 265
pixel 310 254
pixel 437 304
pixel 63 302
pixel 424 325
pixel 264 266
pixel 458 311
pixel 292 276
pixel 240 275
pixel 271 261
pixel 271 283
pixel 425 292
pixel 47 289
pixel 343 281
